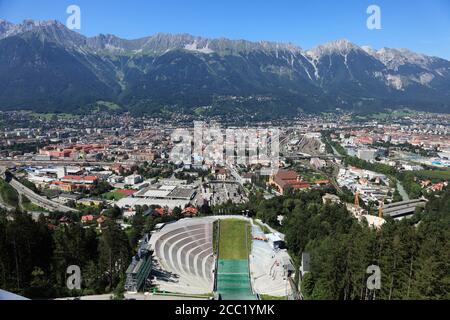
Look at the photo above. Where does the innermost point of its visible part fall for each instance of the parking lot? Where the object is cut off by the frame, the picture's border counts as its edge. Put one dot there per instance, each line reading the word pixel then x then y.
pixel 217 193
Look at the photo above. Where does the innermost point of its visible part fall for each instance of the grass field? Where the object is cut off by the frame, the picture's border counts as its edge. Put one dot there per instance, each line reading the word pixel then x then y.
pixel 113 195
pixel 434 175
pixel 49 116
pixel 233 240
pixel 108 105
pixel 31 207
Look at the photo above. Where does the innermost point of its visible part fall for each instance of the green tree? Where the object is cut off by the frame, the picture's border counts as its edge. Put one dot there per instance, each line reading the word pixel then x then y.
pixel 114 254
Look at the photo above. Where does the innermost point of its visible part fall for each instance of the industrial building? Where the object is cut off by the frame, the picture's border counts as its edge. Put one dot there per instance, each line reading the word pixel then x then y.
pixel 140 267
pixel 160 195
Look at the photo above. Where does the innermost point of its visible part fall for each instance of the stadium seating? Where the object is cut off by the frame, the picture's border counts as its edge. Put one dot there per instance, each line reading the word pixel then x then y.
pixel 185 251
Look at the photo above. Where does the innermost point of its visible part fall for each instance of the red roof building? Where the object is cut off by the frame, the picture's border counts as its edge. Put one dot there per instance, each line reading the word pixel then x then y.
pixel 284 180
pixel 190 211
pixel 363 140
pixel 79 179
pixel 87 218
pixel 438 186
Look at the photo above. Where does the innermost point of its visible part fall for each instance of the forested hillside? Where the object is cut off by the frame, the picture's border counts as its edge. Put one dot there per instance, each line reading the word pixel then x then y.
pixel 413 254
pixel 34 256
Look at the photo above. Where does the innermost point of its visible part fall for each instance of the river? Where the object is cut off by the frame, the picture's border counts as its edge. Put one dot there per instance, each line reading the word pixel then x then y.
pixel 402 191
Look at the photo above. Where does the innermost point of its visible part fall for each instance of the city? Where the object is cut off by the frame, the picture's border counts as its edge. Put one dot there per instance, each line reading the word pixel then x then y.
pixel 102 169
pixel 224 159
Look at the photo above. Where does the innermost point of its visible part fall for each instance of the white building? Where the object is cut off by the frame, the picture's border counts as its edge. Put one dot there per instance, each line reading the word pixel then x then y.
pixel 61 172
pixel 133 179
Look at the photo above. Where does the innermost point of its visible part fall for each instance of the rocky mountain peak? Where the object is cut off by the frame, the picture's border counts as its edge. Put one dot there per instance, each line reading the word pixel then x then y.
pixel 163 68
pixel 341 47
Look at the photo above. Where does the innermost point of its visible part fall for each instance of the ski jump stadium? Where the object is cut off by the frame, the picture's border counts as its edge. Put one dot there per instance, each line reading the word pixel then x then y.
pixel 224 258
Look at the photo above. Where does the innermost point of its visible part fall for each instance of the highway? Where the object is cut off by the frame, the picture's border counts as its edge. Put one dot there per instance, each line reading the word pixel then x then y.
pixel 39 200
pixel 404 208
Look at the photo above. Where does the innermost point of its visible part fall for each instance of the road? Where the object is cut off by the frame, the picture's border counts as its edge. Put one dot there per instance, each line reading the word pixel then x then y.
pixel 235 175
pixel 39 200
pixel 336 153
pixel 34 197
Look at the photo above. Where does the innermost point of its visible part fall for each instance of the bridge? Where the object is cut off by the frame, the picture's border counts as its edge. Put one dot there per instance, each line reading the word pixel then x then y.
pixel 37 199
pixel 404 208
pixel 41 201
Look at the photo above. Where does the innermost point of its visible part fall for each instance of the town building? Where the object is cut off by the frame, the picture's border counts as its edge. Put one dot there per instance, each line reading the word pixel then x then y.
pixel 284 180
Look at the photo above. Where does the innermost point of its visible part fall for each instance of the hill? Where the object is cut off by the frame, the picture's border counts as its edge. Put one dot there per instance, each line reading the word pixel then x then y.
pixel 46 67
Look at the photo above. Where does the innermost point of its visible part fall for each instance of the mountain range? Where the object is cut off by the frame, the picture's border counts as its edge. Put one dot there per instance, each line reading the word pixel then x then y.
pixel 44 66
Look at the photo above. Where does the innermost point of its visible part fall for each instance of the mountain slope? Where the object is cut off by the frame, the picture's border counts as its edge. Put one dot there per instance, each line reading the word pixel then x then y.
pixel 46 67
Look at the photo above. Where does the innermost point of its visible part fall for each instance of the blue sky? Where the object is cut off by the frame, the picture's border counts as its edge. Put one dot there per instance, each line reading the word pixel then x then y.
pixel 420 25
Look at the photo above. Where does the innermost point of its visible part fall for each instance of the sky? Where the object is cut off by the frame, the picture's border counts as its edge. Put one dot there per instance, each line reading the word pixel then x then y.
pixel 419 25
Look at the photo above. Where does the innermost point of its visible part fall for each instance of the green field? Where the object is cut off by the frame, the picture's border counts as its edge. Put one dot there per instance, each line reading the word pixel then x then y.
pixel 233 241
pixel 50 115
pixel 434 175
pixel 111 106
pixel 31 207
pixel 113 195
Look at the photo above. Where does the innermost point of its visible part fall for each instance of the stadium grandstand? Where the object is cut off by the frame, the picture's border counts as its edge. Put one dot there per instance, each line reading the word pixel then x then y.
pixel 184 257
pixel 227 257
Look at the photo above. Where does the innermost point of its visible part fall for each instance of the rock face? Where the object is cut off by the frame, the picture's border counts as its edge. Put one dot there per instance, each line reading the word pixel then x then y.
pixel 46 67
